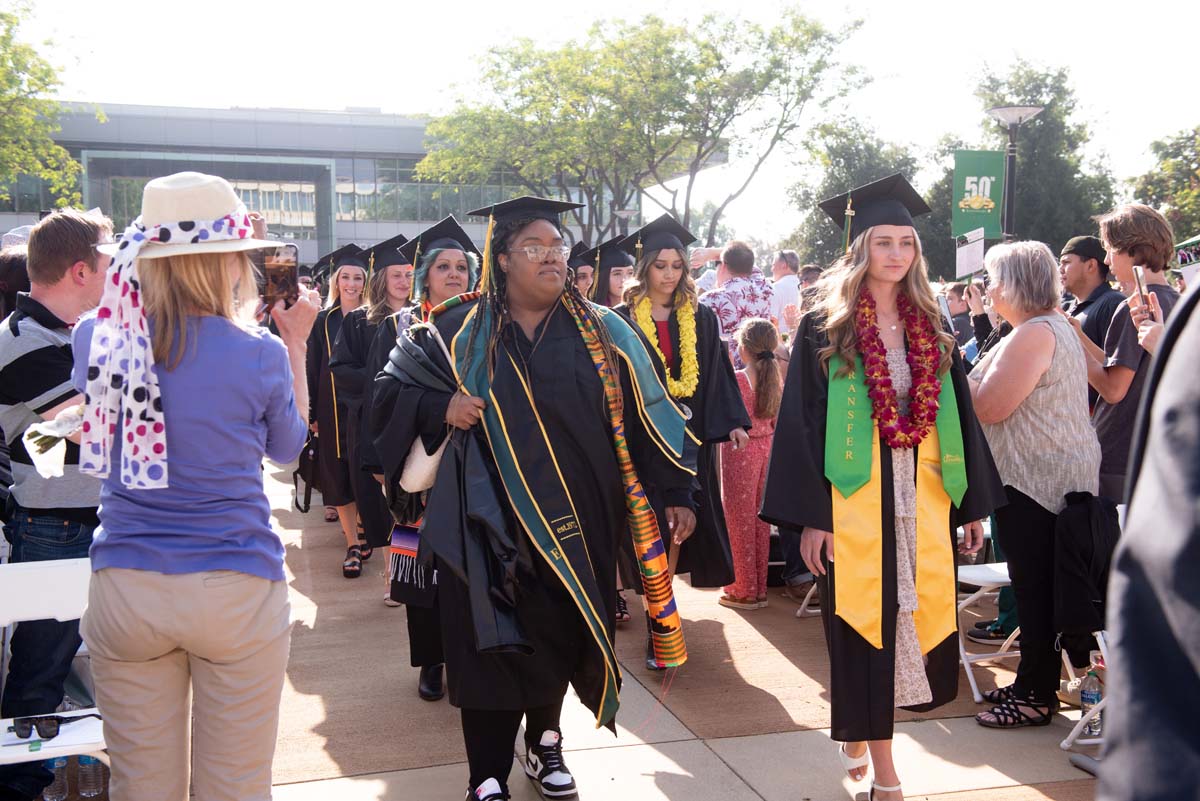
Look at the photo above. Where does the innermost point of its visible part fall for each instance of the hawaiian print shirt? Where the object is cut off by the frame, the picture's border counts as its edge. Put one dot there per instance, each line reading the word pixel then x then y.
pixel 738 299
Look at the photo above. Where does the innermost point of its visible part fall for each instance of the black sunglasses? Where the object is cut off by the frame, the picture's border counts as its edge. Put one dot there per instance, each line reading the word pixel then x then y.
pixel 47 725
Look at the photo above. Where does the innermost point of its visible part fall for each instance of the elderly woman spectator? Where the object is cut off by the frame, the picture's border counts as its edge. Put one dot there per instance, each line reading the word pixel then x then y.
pixel 1030 394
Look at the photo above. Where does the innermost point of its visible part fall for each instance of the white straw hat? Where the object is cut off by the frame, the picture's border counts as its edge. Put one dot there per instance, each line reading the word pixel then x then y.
pixel 188 201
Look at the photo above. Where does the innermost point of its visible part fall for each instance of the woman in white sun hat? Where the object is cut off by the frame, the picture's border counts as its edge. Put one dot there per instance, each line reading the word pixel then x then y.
pixel 188 617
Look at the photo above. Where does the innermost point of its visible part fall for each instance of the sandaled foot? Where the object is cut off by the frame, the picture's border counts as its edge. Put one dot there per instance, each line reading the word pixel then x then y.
pixel 331 514
pixel 1016 713
pixel 622 615
pixel 999 695
pixel 855 764
pixel 738 603
pixel 352 566
pixel 881 792
pixel 365 550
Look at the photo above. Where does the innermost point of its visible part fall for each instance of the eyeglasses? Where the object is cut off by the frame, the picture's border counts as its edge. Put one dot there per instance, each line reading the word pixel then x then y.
pixel 47 725
pixel 542 253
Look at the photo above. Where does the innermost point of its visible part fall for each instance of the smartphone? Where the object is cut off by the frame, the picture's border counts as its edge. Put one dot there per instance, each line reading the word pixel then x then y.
pixel 279 275
pixel 945 306
pixel 1140 279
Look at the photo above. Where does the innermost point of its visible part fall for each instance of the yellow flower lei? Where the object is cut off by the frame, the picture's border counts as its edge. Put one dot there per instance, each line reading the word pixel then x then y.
pixel 689 361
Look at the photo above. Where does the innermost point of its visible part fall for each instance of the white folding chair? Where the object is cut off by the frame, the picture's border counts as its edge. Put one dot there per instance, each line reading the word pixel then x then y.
pixel 989 578
pixel 1075 737
pixel 38 591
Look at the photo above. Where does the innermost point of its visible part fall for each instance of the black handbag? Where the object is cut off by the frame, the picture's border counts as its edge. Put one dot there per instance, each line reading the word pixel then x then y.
pixel 307 470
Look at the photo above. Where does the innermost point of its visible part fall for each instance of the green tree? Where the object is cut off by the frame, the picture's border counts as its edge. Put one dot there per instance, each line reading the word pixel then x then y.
pixel 1174 183
pixel 28 115
pixel 1057 192
pixel 845 155
pixel 636 105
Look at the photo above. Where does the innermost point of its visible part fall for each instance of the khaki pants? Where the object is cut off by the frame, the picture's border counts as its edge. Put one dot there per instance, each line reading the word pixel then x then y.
pixel 188 665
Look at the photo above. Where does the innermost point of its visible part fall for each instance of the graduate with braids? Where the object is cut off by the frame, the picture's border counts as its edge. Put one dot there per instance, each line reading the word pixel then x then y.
pixel 447 265
pixel 878 457
pixel 661 300
pixel 560 420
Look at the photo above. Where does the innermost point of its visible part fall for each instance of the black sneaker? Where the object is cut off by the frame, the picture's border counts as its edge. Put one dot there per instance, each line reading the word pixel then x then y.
pixel 489 790
pixel 986 624
pixel 545 767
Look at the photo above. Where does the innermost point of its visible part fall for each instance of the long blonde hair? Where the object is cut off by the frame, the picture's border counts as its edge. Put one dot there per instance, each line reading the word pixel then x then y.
pixel 175 288
pixel 639 286
pixel 333 295
pixel 838 292
pixel 376 296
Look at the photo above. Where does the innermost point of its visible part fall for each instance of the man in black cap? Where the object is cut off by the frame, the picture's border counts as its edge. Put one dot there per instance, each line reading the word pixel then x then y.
pixel 1085 275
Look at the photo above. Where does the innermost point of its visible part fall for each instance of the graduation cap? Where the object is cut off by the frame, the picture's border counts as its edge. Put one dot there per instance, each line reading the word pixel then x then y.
pixel 888 201
pixel 577 250
pixel 446 234
pixel 386 253
pixel 604 257
pixel 329 261
pixel 521 208
pixel 665 232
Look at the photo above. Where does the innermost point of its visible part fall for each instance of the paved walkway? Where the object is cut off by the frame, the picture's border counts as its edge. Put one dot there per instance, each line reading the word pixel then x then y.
pixel 743 720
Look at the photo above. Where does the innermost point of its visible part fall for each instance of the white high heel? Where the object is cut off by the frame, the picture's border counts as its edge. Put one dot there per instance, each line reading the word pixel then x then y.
pixel 850 763
pixel 875 787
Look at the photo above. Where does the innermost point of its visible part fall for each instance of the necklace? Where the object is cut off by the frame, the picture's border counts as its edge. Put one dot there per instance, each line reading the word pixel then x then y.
pixel 683 386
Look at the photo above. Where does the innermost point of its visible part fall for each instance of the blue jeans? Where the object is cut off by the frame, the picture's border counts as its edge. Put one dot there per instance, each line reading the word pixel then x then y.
pixel 42 650
pixel 794 569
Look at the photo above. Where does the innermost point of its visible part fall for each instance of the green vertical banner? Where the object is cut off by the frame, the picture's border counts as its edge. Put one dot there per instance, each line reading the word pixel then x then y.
pixel 978 192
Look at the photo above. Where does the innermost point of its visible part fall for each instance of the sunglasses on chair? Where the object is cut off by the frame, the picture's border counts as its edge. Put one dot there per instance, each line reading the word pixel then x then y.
pixel 47 725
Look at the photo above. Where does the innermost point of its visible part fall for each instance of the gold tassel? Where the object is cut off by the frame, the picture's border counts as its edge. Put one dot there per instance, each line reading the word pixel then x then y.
pixel 485 278
pixel 637 250
pixel 371 263
pixel 412 288
pixel 849 222
pixel 595 277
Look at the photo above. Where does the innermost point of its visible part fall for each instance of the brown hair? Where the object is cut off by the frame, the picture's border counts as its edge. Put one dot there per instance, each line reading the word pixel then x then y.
pixel 1141 232
pixel 738 257
pixel 760 338
pixel 14 278
pixel 956 289
pixel 639 287
pixel 194 284
pixel 62 239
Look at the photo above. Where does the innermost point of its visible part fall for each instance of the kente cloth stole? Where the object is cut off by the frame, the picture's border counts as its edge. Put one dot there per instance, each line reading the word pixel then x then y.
pixel 525 460
pixel 852 465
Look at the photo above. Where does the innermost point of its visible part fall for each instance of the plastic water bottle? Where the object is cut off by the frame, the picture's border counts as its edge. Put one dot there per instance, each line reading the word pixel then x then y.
pixel 1090 694
pixel 57 791
pixel 91 777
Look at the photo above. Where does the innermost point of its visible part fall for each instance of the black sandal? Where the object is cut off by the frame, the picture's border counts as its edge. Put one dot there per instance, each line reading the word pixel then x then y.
pixel 622 610
pixel 365 549
pixel 1000 695
pixel 352 566
pixel 1012 714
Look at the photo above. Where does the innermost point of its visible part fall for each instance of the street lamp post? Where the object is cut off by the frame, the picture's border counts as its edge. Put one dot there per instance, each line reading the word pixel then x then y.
pixel 624 215
pixel 1012 116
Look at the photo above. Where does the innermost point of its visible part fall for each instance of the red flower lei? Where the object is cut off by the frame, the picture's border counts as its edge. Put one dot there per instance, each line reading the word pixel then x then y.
pixel 924 355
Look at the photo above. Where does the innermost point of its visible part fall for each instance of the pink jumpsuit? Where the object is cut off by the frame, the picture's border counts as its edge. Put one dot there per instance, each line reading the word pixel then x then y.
pixel 743 478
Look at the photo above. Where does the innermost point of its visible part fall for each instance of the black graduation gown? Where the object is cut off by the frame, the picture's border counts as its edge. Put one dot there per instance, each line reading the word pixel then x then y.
pixel 570 401
pixel 717 409
pixel 862 678
pixel 353 380
pixel 327 409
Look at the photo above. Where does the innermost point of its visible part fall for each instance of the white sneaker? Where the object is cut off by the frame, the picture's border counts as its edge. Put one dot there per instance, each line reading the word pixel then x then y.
pixel 545 767
pixel 488 791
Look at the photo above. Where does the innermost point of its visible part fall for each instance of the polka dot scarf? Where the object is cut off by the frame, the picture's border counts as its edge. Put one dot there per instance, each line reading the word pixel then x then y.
pixel 123 397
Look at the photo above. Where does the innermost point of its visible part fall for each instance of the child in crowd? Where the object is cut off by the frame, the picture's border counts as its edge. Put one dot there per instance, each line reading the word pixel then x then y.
pixel 744 470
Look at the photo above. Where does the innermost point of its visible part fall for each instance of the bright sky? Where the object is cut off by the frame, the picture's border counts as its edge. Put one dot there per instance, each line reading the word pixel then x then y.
pixel 1130 63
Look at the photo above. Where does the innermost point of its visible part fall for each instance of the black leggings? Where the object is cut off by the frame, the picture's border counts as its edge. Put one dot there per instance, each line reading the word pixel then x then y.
pixel 489 736
pixel 1025 530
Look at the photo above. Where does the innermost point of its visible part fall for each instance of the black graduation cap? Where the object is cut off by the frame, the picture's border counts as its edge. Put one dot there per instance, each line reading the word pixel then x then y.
pixel 608 255
pixel 888 201
pixel 324 264
pixel 577 250
pixel 442 235
pixel 665 232
pixel 523 208
pixel 386 253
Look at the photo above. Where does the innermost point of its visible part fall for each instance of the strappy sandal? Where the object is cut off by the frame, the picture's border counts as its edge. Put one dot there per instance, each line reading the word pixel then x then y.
pixel 1012 714
pixel 352 566
pixel 882 789
pixel 331 515
pixel 622 615
pixel 850 763
pixel 1000 695
pixel 365 549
